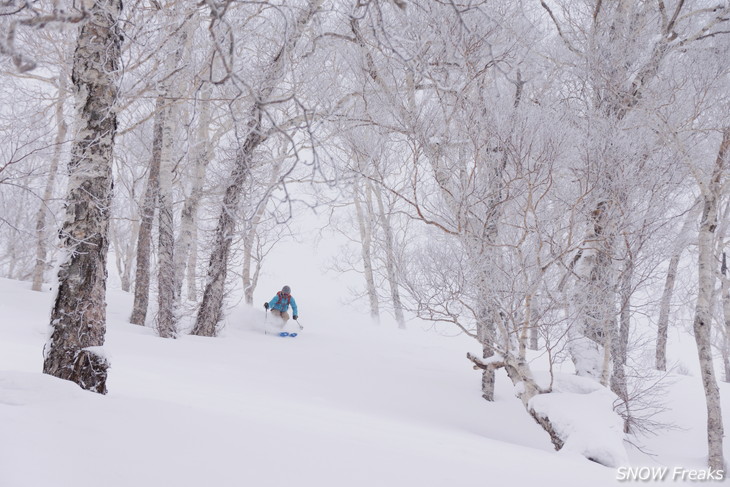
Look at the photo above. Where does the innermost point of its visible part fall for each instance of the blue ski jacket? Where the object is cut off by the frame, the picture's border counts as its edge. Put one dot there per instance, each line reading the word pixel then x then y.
pixel 282 303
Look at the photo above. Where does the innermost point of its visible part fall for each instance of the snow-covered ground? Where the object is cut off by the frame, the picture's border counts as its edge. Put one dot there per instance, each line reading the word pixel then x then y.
pixel 346 403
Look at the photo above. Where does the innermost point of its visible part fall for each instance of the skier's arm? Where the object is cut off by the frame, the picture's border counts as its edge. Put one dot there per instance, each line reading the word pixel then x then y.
pixel 294 310
pixel 274 301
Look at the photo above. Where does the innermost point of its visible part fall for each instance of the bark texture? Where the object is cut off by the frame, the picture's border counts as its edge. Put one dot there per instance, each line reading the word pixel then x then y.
pixel 168 274
pixel 486 334
pixel 186 252
pixel 211 308
pixel 144 240
pixel 703 310
pixel 78 319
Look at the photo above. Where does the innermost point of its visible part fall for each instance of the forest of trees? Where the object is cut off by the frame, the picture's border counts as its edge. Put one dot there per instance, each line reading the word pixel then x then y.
pixel 543 175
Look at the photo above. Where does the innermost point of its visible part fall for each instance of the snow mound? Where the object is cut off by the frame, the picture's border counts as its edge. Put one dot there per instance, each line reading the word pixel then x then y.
pixel 581 413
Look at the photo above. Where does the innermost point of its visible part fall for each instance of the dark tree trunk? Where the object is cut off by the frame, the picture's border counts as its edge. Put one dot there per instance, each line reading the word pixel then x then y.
pixel 78 319
pixel 144 241
pixel 212 306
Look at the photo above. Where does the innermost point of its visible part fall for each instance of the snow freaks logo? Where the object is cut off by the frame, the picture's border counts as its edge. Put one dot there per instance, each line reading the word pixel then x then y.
pixel 661 474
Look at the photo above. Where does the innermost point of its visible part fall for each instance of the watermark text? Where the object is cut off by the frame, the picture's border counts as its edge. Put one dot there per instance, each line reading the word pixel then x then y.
pixel 667 474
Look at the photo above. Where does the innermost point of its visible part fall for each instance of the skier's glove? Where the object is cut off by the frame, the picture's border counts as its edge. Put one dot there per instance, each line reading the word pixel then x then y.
pixel 266 305
pixel 295 317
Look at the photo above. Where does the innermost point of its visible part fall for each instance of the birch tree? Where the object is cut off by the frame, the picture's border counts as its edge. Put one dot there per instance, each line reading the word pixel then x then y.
pixel 725 277
pixel 666 299
pixel 711 191
pixel 363 214
pixel 78 319
pixel 390 258
pixel 168 273
pixel 723 315
pixel 147 211
pixel 186 251
pixel 376 226
pixel 41 264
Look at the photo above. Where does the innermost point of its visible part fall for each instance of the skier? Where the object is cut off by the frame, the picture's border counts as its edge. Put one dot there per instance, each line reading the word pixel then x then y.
pixel 279 305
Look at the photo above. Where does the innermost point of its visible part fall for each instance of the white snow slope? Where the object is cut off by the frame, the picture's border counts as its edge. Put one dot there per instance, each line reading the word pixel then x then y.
pixel 346 403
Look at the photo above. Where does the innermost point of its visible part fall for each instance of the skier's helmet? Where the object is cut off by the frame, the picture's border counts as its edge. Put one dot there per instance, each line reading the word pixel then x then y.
pixel 286 290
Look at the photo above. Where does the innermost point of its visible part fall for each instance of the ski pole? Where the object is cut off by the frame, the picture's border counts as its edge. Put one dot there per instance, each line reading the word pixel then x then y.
pixel 300 326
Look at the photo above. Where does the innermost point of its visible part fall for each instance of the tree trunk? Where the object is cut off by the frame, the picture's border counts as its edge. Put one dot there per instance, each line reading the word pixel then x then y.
pixel 124 250
pixel 144 241
pixel 521 377
pixel 166 271
pixel 168 274
pixel 248 280
pixel 486 232
pixel 703 310
pixel 192 266
pixel 189 216
pixel 211 307
pixel 365 225
pixel 595 299
pixel 390 260
pixel 620 345
pixel 128 261
pixel 532 309
pixel 41 263
pixel 486 334
pixel 726 316
pixel 78 319
pixel 666 300
pixel 534 337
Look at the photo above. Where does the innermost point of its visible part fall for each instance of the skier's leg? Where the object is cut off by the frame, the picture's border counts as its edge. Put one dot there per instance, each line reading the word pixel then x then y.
pixel 280 318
